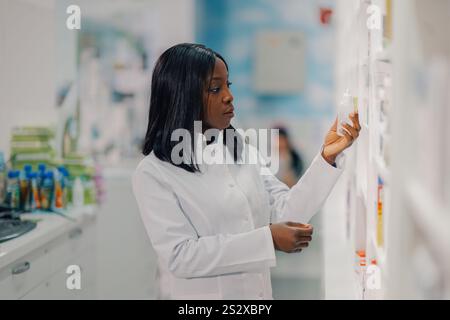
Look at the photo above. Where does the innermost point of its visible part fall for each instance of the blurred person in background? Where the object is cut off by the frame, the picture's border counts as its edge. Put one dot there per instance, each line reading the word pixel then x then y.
pixel 291 163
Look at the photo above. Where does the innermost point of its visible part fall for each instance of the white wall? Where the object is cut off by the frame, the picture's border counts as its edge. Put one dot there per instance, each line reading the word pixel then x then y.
pixel 66 46
pixel 27 65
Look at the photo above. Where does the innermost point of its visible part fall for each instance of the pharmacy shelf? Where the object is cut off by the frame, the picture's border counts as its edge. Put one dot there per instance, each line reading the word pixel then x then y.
pixel 394 77
pixel 362 68
pixel 382 169
pixel 421 92
pixel 430 217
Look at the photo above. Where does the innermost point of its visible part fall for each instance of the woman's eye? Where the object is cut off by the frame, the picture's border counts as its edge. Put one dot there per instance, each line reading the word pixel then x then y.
pixel 217 89
pixel 214 90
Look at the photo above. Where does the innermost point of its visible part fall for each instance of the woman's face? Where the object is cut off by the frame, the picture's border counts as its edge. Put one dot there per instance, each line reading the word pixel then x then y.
pixel 283 144
pixel 218 99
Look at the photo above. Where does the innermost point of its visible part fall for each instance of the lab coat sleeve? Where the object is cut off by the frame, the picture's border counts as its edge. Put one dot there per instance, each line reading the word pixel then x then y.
pixel 304 199
pixel 177 243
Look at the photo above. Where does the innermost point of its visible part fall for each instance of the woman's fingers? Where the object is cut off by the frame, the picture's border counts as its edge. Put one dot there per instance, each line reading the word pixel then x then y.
pixel 298 225
pixel 302 245
pixel 304 239
pixel 299 233
pixel 347 135
pixel 353 132
pixel 355 119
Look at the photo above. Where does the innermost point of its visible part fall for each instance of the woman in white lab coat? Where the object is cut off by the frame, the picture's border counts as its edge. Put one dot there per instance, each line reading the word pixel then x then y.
pixel 215 227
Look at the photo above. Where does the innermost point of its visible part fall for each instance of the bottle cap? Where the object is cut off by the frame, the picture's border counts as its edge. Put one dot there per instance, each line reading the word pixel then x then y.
pixel 13 174
pixel 27 168
pixel 63 171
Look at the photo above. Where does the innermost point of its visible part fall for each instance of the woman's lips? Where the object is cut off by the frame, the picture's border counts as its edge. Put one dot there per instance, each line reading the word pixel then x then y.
pixel 230 113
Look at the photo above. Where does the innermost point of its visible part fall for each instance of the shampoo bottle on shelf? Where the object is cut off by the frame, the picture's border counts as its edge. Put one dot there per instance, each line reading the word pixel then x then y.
pixel 57 203
pixel 47 191
pixel 35 202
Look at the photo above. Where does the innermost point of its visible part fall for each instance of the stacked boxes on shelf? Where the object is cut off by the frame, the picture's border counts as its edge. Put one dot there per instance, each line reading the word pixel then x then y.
pixel 32 145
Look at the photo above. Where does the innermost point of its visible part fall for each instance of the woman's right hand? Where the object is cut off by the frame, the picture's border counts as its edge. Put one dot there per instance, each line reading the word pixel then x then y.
pixel 291 237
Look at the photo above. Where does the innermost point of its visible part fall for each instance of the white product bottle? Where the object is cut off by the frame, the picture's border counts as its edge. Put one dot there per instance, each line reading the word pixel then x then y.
pixel 346 107
pixel 78 193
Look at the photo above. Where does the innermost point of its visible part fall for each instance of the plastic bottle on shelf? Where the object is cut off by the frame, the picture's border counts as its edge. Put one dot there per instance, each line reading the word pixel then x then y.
pixel 346 107
pixel 47 191
pixel 373 283
pixel 57 203
pixel 35 202
pixel 89 192
pixel 78 193
pixel 13 190
pixel 41 174
pixel 64 184
pixel 27 168
pixel 25 188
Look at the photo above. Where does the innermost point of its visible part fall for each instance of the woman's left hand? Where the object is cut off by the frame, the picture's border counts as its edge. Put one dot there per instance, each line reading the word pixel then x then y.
pixel 334 144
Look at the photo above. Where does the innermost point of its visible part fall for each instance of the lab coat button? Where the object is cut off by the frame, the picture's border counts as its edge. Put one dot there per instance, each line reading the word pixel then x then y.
pixel 231 185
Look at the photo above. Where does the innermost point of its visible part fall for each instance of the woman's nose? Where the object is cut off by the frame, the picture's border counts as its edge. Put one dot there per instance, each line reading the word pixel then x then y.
pixel 228 98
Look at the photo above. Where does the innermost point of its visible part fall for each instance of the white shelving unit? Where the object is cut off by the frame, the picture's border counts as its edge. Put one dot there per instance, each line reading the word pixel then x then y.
pixel 398 176
pixel 419 262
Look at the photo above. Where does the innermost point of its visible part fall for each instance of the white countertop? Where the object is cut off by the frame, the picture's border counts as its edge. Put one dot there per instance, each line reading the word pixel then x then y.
pixel 49 227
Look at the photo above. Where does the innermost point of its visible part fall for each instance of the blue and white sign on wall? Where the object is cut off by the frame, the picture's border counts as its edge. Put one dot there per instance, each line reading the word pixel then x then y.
pixel 279 62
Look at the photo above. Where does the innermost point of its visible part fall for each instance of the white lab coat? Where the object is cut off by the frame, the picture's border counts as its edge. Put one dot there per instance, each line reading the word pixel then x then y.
pixel 210 230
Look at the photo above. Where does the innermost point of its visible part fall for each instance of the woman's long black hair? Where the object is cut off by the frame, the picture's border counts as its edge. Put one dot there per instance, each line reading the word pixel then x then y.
pixel 179 80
